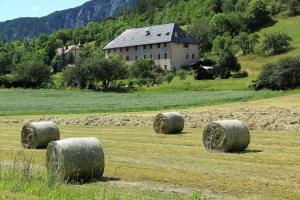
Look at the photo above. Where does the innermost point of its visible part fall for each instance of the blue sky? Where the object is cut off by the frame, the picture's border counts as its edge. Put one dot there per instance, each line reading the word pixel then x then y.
pixel 11 9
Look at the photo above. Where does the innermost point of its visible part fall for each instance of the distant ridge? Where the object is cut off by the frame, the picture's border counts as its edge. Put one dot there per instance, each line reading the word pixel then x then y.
pixel 91 11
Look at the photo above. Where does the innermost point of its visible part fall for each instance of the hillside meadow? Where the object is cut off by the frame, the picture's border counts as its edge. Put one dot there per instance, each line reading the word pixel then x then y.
pixel 291 26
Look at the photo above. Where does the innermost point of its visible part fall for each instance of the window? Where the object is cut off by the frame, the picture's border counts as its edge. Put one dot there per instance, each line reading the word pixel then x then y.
pixel 168 33
pixel 148 33
pixel 115 50
pixel 135 58
pixel 127 49
pixel 127 58
pixel 165 67
pixel 150 46
pixel 165 44
pixel 151 56
pixel 145 57
pixel 158 45
pixel 186 45
pixel 187 56
pixel 121 49
pixel 136 48
pixel 145 46
pixel 159 34
pixel 166 55
pixel 158 56
pixel 108 50
pixel 193 56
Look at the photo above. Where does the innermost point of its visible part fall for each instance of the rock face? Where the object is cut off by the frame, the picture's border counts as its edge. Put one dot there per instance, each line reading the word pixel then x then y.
pixel 91 11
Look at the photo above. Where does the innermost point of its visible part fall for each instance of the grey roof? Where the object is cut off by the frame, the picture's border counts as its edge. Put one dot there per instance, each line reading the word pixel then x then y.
pixel 151 35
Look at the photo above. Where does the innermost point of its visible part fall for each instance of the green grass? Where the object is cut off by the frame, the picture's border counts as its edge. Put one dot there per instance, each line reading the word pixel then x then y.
pixel 200 85
pixel 150 163
pixel 21 101
pixel 291 26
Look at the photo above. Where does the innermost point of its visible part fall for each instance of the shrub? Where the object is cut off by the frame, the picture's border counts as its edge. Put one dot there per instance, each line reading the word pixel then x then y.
pixel 276 43
pixel 228 61
pixel 182 74
pixel 169 77
pixel 279 76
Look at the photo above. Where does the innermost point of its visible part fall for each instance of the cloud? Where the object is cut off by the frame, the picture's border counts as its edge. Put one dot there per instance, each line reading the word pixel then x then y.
pixel 36 8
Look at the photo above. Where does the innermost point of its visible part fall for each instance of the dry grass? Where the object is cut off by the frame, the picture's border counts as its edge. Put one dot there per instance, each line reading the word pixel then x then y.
pixel 270 169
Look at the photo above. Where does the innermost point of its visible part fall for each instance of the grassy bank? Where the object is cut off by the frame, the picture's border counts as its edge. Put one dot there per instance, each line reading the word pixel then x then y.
pixel 291 26
pixel 141 163
pixel 25 102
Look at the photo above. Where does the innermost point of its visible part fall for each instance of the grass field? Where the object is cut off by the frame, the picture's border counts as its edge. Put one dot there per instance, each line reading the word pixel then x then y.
pixel 291 26
pixel 26 102
pixel 141 163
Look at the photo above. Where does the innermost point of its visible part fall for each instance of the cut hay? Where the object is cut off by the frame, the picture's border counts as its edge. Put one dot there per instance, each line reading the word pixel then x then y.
pixel 75 159
pixel 167 123
pixel 226 136
pixel 36 135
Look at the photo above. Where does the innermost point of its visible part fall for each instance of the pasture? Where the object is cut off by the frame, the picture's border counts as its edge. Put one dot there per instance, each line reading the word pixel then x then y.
pixel 29 102
pixel 143 165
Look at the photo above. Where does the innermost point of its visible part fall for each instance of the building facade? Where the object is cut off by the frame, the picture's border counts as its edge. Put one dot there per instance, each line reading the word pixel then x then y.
pixel 168 45
pixel 67 50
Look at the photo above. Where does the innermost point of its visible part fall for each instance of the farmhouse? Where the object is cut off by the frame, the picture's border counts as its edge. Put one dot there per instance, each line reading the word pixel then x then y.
pixel 73 50
pixel 168 45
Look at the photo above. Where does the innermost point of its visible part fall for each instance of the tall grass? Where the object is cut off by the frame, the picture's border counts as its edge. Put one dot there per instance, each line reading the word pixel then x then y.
pixel 20 179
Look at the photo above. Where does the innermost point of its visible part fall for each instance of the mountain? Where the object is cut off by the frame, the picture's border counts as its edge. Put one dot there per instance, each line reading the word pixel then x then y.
pixel 91 11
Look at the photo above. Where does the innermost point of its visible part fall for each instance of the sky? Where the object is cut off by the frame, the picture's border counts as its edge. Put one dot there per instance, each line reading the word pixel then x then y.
pixel 11 9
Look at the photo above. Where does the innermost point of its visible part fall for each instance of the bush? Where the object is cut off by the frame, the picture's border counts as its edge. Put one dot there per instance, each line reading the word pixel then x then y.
pixel 228 61
pixel 246 42
pixel 33 74
pixel 276 43
pixel 279 76
pixel 182 74
pixel 169 77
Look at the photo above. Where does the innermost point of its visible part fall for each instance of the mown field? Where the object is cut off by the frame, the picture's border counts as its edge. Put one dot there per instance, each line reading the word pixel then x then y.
pixel 143 165
pixel 25 102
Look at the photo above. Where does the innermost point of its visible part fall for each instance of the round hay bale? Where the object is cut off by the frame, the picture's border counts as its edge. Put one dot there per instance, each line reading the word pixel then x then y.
pixel 167 123
pixel 75 159
pixel 226 136
pixel 36 135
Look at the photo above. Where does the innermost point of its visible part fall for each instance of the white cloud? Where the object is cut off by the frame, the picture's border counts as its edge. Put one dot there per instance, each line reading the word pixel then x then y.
pixel 36 8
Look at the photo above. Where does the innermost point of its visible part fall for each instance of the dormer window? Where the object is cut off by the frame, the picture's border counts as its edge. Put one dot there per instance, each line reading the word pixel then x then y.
pixel 148 33
pixel 159 34
pixel 176 34
pixel 168 33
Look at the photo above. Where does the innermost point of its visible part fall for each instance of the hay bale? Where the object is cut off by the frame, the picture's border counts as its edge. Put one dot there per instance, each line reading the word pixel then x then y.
pixel 38 134
pixel 167 123
pixel 226 136
pixel 75 159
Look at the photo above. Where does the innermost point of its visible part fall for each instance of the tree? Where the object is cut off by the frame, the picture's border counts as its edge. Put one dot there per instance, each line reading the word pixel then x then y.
pixel 33 73
pixel 228 61
pixel 293 7
pixel 276 43
pixel 88 72
pixel 246 42
pixel 143 69
pixel 241 5
pixel 221 43
pixel 257 14
pixel 5 62
pixel 220 24
pixel 228 6
pixel 202 32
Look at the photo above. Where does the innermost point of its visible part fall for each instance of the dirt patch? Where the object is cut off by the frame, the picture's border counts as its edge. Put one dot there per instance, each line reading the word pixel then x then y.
pixel 259 118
